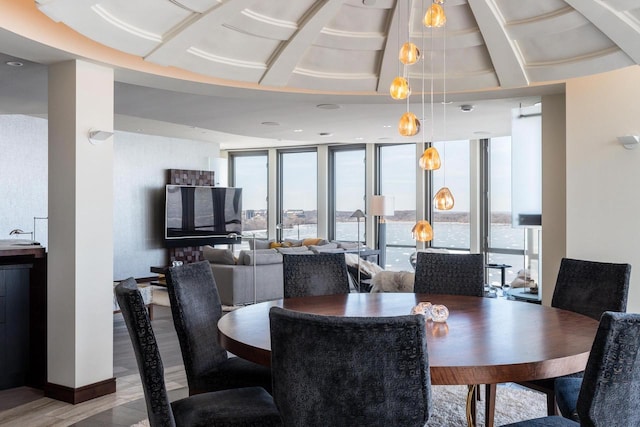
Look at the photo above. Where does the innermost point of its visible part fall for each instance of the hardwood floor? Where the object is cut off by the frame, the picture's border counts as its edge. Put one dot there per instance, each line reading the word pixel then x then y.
pixel 27 407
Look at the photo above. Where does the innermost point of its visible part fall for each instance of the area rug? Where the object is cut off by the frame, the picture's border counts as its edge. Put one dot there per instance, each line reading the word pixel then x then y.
pixel 512 404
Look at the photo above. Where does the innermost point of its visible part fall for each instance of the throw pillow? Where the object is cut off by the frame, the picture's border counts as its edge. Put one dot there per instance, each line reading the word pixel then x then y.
pixel 311 242
pixel 347 245
pixel 274 245
pixel 260 243
pixel 294 242
pixel 218 256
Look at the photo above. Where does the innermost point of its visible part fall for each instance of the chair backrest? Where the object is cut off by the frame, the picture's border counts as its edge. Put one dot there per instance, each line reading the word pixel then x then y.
pixel 453 274
pixel 610 391
pixel 196 309
pixel 591 288
pixel 147 354
pixel 318 274
pixel 349 371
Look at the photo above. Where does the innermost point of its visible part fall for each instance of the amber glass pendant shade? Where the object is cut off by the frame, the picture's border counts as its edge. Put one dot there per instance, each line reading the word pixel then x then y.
pixel 435 16
pixel 409 53
pixel 422 231
pixel 400 88
pixel 409 124
pixel 430 159
pixel 443 200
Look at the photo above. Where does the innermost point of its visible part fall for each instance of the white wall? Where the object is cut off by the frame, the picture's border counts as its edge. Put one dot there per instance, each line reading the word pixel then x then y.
pixel 603 178
pixel 140 175
pixel 23 175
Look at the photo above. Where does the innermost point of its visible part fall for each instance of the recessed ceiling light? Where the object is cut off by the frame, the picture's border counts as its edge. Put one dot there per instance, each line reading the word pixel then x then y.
pixel 271 123
pixel 358 138
pixel 386 126
pixel 466 108
pixel 328 106
pixel 325 134
pixel 297 130
pixel 14 63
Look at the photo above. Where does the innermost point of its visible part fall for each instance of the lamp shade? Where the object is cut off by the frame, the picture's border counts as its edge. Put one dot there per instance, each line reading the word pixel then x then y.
pixel 409 53
pixel 399 88
pixel 443 200
pixel 357 214
pixel 409 124
pixel 435 16
pixel 430 159
pixel 422 231
pixel 382 206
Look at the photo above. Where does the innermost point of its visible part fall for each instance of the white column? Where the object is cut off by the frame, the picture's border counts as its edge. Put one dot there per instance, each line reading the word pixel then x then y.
pixel 554 192
pixel 323 191
pixel 80 260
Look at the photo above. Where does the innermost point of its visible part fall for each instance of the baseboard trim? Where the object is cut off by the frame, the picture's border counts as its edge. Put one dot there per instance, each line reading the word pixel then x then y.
pixel 80 394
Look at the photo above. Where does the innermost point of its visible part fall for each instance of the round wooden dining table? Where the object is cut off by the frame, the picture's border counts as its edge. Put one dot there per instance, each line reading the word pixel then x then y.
pixel 484 340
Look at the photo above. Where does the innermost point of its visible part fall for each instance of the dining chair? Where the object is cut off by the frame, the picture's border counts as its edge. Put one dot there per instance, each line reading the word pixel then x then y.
pixel 589 288
pixel 349 371
pixel 609 392
pixel 318 274
pixel 196 309
pixel 453 274
pixel 249 406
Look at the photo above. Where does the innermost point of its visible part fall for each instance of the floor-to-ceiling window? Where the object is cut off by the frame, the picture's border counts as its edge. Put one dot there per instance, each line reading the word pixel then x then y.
pixel 451 228
pixel 397 179
pixel 506 243
pixel 298 194
pixel 249 171
pixel 348 193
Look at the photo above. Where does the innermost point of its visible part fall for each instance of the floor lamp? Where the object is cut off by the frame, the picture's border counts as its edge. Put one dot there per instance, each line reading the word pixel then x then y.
pixel 382 206
pixel 358 214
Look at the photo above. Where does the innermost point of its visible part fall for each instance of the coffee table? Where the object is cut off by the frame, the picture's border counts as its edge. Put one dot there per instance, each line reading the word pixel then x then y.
pixel 484 341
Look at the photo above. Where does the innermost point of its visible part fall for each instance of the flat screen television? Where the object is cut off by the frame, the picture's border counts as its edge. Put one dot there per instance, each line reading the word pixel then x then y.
pixel 200 215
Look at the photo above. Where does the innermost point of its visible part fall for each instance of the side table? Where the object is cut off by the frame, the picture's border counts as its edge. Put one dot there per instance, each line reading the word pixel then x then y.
pixel 502 268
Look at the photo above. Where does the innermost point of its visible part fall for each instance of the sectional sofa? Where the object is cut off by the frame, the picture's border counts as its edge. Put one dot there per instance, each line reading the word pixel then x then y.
pixel 235 275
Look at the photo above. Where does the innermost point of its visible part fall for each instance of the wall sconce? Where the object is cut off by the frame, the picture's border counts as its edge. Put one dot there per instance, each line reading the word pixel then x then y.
pixel 98 136
pixel 629 141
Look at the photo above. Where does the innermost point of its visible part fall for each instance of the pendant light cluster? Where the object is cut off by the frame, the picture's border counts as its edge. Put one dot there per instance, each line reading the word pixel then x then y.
pixel 409 124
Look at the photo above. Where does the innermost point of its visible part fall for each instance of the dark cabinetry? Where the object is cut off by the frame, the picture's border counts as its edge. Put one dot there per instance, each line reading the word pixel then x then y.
pixel 14 325
pixel 23 317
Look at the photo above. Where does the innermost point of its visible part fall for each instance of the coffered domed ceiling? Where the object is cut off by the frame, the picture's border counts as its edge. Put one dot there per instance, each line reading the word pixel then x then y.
pixel 352 46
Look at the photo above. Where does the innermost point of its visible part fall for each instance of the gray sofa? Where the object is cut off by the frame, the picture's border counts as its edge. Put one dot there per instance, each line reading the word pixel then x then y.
pixel 234 277
pixel 235 281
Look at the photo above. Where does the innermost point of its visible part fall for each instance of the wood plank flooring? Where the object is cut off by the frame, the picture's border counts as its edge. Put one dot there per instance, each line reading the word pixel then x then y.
pixel 26 407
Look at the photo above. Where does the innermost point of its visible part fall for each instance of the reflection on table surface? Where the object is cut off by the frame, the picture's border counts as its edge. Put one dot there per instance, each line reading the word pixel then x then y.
pixel 485 340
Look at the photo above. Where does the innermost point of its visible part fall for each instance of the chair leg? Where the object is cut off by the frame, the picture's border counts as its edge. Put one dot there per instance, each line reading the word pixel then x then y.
pixel 551 403
pixel 490 404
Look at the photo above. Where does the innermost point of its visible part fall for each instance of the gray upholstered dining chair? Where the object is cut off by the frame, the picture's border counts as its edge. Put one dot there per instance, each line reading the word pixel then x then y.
pixel 196 309
pixel 609 392
pixel 349 371
pixel 589 288
pixel 318 274
pixel 249 406
pixel 453 274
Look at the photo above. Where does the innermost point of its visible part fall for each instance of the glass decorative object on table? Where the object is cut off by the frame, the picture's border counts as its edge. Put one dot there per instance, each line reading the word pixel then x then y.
pixel 439 313
pixel 505 291
pixel 423 308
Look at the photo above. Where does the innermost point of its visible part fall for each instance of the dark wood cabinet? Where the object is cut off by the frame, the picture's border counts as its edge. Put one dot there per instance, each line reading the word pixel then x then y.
pixel 23 314
pixel 14 325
